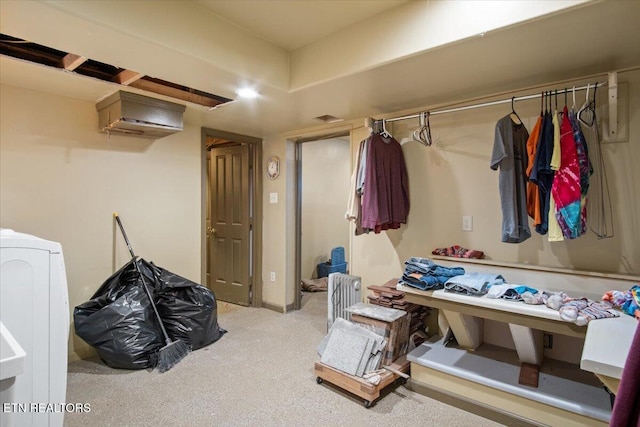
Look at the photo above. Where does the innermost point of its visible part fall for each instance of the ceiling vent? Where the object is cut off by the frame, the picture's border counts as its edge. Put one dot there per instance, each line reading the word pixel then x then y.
pixel 328 118
pixel 128 113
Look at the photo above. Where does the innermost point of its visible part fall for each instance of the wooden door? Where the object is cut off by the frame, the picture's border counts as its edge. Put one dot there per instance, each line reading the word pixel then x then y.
pixel 229 260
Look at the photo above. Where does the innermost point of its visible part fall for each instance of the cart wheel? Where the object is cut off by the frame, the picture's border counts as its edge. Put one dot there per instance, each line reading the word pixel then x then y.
pixel 319 380
pixel 367 404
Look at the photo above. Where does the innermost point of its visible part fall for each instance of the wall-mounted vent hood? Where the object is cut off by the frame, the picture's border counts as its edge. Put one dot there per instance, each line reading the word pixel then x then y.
pixel 127 113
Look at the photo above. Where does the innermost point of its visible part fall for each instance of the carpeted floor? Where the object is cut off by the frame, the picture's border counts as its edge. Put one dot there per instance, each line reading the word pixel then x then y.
pixel 258 374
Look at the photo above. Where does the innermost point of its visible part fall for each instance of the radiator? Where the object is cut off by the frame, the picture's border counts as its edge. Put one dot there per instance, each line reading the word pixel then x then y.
pixel 344 290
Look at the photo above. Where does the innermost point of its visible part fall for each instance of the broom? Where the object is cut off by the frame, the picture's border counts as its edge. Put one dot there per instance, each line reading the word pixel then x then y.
pixel 174 351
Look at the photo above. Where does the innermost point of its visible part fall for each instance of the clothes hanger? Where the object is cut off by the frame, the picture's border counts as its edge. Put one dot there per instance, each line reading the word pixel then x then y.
pixel 561 111
pixel 587 112
pixel 428 133
pixel 555 95
pixel 514 116
pixel 423 133
pixel 546 102
pixel 592 104
pixel 541 104
pixel 417 134
pixel 385 133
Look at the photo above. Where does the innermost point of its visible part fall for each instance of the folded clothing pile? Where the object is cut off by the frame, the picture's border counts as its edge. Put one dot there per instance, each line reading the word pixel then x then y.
pixel 576 310
pixel 458 252
pixel 476 284
pixel 423 273
pixel 627 301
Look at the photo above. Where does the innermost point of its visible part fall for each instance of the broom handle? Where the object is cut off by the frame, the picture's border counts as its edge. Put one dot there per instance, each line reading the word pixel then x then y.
pixel 115 215
pixel 144 282
pixel 153 304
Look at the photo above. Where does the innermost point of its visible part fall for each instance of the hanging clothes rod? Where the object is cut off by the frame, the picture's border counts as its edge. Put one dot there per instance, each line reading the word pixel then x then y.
pixel 486 104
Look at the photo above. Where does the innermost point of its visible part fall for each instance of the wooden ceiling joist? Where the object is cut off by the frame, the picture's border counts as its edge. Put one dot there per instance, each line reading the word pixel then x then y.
pixel 71 61
pixel 126 77
pixel 165 88
pixel 39 54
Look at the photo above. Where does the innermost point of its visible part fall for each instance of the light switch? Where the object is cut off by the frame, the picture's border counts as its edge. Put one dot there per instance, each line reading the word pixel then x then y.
pixel 467 223
pixel 273 197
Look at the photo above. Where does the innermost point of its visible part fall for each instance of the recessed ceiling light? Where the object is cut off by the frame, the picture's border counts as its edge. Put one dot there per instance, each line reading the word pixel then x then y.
pixel 247 92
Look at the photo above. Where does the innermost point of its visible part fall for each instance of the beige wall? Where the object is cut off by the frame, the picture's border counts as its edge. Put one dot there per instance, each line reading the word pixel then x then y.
pixel 279 220
pixel 326 174
pixel 452 178
pixel 342 53
pixel 62 180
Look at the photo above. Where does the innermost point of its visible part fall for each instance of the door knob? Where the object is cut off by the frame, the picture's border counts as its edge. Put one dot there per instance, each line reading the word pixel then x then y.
pixel 210 231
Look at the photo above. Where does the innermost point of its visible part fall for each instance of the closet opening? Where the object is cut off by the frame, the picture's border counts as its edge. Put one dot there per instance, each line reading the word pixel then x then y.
pixel 323 172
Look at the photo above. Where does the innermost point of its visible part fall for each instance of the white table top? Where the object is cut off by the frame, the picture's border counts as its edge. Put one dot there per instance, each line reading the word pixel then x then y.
pixel 515 307
pixel 607 344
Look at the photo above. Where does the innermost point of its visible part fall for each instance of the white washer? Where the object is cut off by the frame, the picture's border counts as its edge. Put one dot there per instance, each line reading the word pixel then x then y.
pixel 34 306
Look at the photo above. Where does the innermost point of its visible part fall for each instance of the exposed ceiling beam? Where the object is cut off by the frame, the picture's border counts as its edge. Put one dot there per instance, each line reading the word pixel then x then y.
pixel 126 77
pixel 178 92
pixel 71 61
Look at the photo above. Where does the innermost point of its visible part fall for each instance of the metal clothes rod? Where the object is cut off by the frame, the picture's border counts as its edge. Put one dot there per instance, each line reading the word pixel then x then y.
pixel 488 104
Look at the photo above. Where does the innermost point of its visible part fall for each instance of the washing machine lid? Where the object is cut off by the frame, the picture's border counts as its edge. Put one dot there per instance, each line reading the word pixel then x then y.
pixel 13 239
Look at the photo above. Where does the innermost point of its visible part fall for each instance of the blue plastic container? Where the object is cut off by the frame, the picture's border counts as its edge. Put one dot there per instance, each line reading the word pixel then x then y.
pixel 336 264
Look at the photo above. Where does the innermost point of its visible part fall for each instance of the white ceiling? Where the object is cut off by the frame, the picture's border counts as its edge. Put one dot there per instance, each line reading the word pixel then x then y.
pixel 293 24
pixel 586 38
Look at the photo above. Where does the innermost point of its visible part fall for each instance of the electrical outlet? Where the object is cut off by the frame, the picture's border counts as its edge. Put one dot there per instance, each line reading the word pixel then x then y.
pixel 272 276
pixel 467 223
pixel 273 197
pixel 547 340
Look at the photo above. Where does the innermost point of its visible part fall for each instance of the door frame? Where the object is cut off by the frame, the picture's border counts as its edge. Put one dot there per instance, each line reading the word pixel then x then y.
pixel 327 134
pixel 218 136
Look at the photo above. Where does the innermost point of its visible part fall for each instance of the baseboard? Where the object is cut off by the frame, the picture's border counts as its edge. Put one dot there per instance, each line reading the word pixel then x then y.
pixel 82 353
pixel 273 307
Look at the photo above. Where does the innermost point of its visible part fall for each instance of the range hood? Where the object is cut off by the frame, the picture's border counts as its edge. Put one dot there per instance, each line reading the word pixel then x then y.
pixel 127 113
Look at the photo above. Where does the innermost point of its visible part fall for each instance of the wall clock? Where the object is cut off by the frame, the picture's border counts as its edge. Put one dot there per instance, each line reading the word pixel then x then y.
pixel 273 167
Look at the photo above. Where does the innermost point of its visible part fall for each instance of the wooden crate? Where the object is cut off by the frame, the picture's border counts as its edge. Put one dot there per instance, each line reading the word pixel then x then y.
pixel 396 333
pixel 359 386
pixel 386 295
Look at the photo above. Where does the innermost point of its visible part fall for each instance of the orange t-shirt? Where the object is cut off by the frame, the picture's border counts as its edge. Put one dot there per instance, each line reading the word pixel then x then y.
pixel 533 196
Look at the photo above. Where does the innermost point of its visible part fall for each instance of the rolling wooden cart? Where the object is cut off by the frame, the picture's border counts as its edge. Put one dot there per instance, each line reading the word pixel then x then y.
pixel 359 386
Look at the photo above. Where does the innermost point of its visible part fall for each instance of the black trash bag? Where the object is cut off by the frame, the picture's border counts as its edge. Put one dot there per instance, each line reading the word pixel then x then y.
pixel 189 311
pixel 119 322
